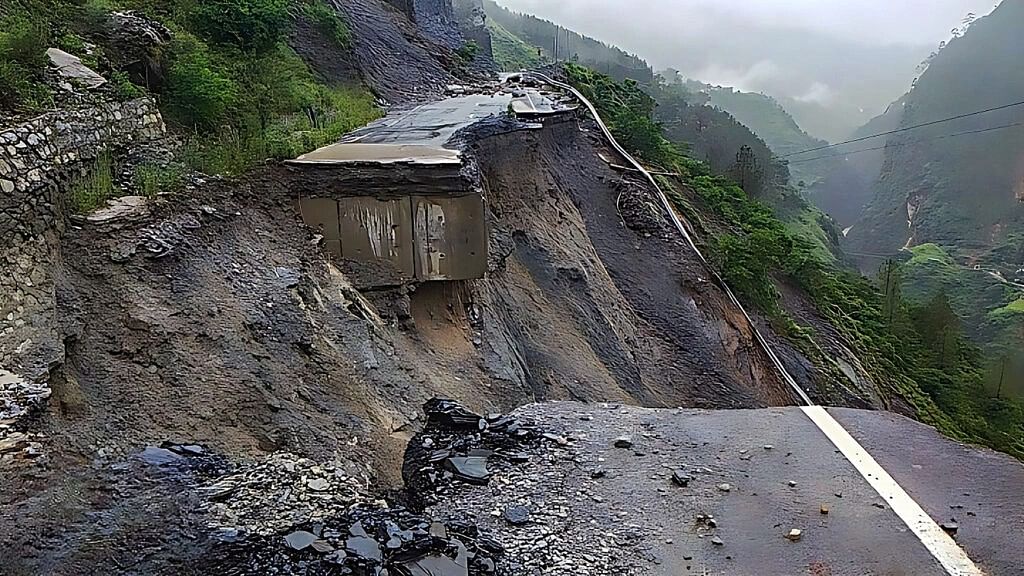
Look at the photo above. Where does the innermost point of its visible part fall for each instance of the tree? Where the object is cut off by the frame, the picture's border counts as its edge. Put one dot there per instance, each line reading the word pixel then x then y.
pixel 747 171
pixel 939 327
pixel 249 25
pixel 198 95
pixel 891 277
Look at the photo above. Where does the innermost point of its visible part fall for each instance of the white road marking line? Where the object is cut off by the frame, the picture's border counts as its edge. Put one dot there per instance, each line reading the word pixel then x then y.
pixel 941 545
pixel 949 554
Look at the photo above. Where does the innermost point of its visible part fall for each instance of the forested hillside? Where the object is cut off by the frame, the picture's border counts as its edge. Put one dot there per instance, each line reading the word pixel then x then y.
pixel 770 121
pixel 852 170
pixel 957 183
pixel 733 150
pixel 557 43
pixel 950 193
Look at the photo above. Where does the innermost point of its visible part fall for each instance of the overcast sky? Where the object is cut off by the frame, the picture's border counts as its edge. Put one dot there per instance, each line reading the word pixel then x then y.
pixel 850 54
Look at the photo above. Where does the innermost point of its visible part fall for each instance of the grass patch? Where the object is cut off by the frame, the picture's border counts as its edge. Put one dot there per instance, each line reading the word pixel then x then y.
pixel 91 190
pixel 1016 307
pixel 152 180
pixel 511 53
pixel 331 114
pixel 930 254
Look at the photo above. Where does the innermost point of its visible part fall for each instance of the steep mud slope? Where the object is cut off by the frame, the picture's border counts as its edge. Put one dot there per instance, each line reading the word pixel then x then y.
pixel 595 276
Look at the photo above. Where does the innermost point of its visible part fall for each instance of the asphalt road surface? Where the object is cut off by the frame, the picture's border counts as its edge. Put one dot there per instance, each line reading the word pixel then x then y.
pixel 421 135
pixel 759 474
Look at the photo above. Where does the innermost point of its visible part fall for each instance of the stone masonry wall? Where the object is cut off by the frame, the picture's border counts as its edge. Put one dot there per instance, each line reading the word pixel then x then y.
pixel 37 158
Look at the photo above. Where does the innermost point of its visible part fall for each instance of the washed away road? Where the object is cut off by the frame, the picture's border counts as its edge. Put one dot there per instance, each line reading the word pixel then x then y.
pixel 856 492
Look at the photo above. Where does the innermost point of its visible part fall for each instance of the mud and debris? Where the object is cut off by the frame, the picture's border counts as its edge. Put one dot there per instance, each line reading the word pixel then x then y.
pixel 683 500
pixel 19 401
pixel 639 211
pixel 287 514
pixel 281 491
pixel 458 446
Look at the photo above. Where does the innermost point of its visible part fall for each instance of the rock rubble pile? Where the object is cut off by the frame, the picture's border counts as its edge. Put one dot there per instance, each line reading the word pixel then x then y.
pixel 291 515
pixel 280 492
pixel 18 398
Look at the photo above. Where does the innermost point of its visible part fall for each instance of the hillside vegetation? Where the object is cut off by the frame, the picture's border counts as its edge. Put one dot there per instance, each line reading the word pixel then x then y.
pixel 227 80
pixel 951 191
pixel 916 351
pixel 965 192
pixel 848 182
pixel 770 121
pixel 511 53
pixel 731 149
pixel 546 36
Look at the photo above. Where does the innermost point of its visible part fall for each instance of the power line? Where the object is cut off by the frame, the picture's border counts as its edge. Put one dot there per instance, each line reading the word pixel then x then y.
pixel 897 131
pixel 1003 127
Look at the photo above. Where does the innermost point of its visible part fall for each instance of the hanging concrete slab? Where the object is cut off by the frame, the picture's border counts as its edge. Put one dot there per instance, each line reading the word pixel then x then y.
pixel 378 232
pixel 321 214
pixel 451 237
pixel 380 154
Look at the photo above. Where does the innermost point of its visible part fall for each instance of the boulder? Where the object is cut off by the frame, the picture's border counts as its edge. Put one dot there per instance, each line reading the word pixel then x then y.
pixel 72 71
pixel 131 42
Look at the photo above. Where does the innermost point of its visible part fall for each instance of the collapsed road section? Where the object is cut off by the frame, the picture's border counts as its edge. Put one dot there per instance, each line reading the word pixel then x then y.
pixel 397 196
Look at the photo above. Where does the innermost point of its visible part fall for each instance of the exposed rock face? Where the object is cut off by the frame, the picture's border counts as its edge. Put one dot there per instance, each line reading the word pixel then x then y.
pixel 36 157
pixel 395 61
pixel 436 19
pixel 472 21
pixel 130 39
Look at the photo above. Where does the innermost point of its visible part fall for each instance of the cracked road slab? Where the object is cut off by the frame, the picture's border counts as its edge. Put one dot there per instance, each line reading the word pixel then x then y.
pixel 748 492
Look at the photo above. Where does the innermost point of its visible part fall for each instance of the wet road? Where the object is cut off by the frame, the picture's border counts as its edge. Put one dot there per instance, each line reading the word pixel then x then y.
pixel 761 474
pixel 421 135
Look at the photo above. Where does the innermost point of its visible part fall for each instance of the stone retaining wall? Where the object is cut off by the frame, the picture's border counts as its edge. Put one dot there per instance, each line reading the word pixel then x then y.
pixel 37 158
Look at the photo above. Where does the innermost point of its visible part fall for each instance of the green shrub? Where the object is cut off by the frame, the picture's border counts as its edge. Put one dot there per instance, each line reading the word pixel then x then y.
pixel 329 21
pixel 199 95
pixel 91 190
pixel 94 15
pixel 274 84
pixel 468 52
pixel 126 90
pixel 330 114
pixel 249 25
pixel 23 60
